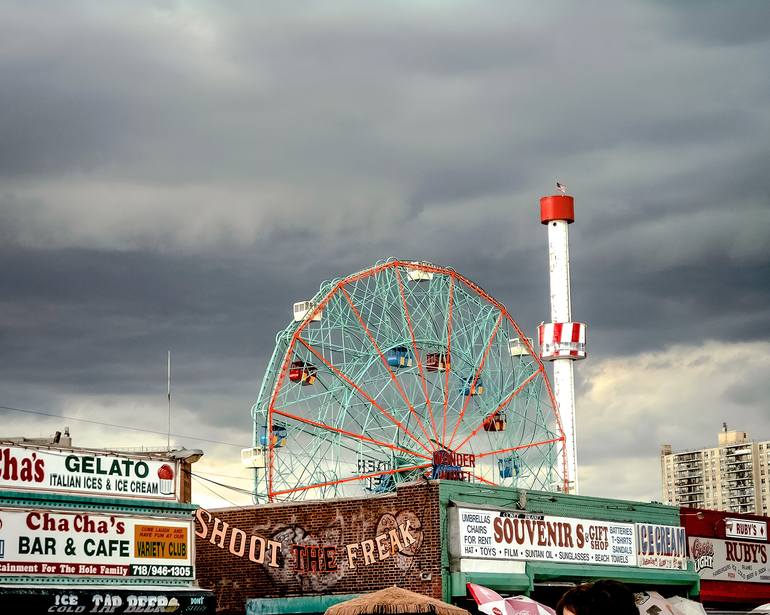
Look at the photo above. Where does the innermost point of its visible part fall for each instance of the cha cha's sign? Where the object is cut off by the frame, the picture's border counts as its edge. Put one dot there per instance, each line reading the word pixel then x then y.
pixel 661 546
pixel 78 471
pixel 509 535
pixel 39 542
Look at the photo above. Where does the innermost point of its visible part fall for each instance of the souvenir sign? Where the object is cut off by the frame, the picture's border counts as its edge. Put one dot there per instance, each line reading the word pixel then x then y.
pixel 510 535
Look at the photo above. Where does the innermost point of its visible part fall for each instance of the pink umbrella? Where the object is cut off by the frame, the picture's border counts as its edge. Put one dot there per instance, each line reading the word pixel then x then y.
pixel 492 603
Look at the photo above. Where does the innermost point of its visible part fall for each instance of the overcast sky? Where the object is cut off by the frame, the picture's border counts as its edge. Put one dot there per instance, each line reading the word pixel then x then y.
pixel 174 175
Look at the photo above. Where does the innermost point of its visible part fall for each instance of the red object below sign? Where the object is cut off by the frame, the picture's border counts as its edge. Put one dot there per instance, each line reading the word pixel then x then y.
pixel 752 594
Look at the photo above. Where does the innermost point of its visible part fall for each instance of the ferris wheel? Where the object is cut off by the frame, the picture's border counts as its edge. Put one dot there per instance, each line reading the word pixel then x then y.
pixel 402 370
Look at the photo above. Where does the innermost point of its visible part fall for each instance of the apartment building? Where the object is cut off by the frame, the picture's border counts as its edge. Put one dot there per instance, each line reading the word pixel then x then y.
pixel 733 476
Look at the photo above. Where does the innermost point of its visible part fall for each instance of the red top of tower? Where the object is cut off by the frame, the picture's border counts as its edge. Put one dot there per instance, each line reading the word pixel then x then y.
pixel 557 207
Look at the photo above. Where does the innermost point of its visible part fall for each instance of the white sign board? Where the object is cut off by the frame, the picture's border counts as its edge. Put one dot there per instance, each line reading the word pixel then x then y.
pixel 83 472
pixel 661 546
pixel 508 535
pixel 730 560
pixel 39 542
pixel 745 529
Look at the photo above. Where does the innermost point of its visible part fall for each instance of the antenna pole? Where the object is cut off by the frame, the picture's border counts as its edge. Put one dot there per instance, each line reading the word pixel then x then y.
pixel 168 437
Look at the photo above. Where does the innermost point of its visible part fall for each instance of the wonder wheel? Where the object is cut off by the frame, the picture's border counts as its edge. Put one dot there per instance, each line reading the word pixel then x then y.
pixel 403 370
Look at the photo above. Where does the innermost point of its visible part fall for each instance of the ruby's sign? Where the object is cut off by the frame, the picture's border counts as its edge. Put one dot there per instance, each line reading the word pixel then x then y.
pixel 730 560
pixel 38 542
pixel 82 472
pixel 745 529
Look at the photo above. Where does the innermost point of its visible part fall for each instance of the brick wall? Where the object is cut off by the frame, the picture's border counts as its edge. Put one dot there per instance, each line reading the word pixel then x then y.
pixel 392 540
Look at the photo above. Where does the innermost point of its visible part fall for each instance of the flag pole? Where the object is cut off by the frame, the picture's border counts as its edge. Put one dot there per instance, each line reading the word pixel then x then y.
pixel 168 437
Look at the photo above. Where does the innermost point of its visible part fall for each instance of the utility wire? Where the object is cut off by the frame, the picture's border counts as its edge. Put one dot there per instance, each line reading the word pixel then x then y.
pixel 224 475
pixel 197 477
pixel 160 433
pixel 115 425
pixel 221 497
pixel 93 422
pixel 214 482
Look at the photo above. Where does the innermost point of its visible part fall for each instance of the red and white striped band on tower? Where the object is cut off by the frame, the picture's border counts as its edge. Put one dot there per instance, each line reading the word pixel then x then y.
pixel 562 340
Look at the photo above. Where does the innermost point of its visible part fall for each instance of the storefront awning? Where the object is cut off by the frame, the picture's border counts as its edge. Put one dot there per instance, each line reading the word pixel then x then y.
pixel 539 572
pixel 648 577
pixel 501 582
pixel 298 604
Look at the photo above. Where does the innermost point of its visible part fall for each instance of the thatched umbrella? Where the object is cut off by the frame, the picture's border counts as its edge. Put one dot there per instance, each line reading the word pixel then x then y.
pixel 394 601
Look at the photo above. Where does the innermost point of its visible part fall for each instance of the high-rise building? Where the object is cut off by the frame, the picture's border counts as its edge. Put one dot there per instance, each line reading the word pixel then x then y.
pixel 733 476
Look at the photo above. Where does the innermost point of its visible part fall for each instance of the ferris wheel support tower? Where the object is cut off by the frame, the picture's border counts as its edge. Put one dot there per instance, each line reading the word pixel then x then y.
pixel 562 341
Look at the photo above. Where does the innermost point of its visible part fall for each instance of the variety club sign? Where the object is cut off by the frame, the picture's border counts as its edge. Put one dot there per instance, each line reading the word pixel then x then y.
pixel 661 546
pixel 508 535
pixel 730 560
pixel 38 542
pixel 73 471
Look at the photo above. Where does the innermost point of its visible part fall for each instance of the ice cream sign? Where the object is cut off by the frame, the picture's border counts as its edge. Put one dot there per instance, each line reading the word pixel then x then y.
pixel 81 471
pixel 661 546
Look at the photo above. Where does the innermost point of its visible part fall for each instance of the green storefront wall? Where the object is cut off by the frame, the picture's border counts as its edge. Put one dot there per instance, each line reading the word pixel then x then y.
pixel 27 499
pixel 684 582
pixel 294 605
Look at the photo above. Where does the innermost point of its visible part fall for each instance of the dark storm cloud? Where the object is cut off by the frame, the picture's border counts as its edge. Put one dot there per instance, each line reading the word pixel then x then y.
pixel 137 299
pixel 715 23
pixel 80 322
pixel 175 175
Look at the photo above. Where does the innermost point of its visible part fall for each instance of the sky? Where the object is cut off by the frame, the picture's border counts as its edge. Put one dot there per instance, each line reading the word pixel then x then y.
pixel 174 175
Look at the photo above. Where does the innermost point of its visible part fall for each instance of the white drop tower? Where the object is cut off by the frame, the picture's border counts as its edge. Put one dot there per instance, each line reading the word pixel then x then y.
pixel 562 341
